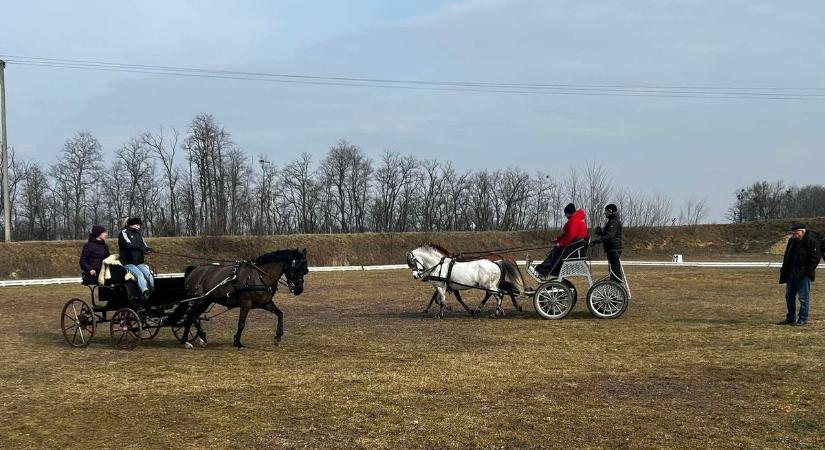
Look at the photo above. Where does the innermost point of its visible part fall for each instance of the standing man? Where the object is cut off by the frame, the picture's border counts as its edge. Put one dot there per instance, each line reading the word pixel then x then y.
pixel 798 272
pixel 611 238
pixel 132 249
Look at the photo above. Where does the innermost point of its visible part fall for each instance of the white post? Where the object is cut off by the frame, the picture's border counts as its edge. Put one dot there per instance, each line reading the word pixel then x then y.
pixel 5 154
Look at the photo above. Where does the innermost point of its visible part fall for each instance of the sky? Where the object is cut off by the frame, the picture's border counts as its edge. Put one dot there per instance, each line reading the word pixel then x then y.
pixel 686 148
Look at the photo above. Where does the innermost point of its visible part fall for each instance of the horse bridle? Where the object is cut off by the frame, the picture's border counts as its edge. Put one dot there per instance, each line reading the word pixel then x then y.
pixel 272 287
pixel 417 266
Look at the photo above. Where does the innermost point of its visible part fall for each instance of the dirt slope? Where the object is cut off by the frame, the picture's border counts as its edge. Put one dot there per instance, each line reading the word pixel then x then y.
pixel 20 260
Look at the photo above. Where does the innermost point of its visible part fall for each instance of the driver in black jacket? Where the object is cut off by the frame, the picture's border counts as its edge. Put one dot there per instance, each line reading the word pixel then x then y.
pixel 611 238
pixel 132 249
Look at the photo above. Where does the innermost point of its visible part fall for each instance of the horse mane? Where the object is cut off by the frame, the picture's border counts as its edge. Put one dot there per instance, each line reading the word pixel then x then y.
pixel 438 248
pixel 279 256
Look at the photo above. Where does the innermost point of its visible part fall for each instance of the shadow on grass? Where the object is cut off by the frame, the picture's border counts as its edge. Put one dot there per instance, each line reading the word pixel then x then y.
pixel 509 314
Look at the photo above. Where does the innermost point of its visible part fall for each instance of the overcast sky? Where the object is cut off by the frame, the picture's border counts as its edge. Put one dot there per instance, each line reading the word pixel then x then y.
pixel 682 147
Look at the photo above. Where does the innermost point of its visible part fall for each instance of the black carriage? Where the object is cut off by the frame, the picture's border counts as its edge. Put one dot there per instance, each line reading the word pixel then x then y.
pixel 131 318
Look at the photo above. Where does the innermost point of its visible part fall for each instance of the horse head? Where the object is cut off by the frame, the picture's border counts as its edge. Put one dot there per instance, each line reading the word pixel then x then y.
pixel 295 272
pixel 424 257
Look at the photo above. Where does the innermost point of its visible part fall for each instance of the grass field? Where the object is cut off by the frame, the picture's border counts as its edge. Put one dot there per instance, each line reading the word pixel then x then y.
pixel 696 362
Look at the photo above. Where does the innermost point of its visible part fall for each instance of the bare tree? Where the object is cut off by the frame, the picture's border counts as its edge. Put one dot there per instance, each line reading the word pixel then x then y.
pixel 596 191
pixel 694 212
pixel 164 147
pixel 76 172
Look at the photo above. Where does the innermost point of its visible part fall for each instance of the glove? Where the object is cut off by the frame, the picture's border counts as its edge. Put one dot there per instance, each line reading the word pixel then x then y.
pixel 599 230
pixel 149 250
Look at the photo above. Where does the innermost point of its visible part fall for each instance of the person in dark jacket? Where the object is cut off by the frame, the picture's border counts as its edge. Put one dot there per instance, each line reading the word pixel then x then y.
pixel 611 238
pixel 132 249
pixel 798 272
pixel 94 252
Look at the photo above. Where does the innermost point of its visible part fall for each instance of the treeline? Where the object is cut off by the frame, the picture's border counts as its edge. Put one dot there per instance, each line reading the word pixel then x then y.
pixel 766 200
pixel 202 183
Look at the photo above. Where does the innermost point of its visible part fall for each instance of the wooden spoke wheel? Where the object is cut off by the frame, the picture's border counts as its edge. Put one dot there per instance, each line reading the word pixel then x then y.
pixel 125 328
pixel 150 328
pixel 178 330
pixel 77 320
pixel 607 299
pixel 553 300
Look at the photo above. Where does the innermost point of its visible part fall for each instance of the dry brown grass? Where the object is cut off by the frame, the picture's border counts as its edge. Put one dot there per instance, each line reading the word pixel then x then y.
pixel 695 363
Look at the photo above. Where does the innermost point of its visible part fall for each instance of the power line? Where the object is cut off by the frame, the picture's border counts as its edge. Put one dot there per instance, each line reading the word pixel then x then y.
pixel 710 92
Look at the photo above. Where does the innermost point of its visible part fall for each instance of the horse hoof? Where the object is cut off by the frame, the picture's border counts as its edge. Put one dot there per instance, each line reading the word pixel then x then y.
pixel 188 346
pixel 200 342
pixel 240 348
pixel 426 311
pixel 520 310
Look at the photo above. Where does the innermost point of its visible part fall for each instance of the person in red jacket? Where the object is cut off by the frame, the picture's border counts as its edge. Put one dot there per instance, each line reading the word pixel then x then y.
pixel 574 230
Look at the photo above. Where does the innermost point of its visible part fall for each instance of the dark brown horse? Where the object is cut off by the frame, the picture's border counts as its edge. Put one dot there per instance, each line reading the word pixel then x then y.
pixel 246 285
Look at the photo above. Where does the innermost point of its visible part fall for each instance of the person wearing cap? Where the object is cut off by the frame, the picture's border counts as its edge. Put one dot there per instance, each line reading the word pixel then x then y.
pixel 94 252
pixel 574 229
pixel 611 238
pixel 798 272
pixel 132 250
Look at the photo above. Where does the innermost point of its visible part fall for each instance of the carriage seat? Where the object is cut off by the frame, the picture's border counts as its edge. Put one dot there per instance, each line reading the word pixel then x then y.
pixel 579 250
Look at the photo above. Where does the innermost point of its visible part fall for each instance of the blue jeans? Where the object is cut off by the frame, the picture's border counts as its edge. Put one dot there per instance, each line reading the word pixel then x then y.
pixel 142 275
pixel 802 288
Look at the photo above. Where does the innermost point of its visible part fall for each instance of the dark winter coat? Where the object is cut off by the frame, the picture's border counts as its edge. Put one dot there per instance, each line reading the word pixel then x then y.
pixel 611 235
pixel 94 252
pixel 801 258
pixel 131 246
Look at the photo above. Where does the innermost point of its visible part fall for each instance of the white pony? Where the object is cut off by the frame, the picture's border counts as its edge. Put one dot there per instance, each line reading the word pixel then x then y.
pixel 495 275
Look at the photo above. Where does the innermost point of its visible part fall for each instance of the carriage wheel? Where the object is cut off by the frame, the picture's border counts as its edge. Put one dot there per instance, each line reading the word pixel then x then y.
pixel 553 300
pixel 77 320
pixel 607 299
pixel 125 328
pixel 573 290
pixel 177 330
pixel 150 328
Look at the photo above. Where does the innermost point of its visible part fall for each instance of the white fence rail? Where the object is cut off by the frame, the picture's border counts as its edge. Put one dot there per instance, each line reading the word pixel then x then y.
pixel 707 264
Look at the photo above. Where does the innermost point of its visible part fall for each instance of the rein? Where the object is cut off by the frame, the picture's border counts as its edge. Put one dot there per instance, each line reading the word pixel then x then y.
pixel 194 257
pixel 263 272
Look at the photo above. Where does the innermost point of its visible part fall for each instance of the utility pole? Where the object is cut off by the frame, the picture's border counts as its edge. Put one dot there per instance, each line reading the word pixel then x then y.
pixel 5 153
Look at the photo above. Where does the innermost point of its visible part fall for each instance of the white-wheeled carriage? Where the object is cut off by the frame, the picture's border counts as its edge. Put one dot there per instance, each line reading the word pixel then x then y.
pixel 498 276
pixel 556 297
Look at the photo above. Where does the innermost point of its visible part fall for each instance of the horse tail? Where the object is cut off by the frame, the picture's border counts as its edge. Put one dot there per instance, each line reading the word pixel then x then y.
pixel 512 274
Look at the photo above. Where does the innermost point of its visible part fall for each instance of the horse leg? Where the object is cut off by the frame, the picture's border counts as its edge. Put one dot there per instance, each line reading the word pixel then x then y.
pixel 441 298
pixel 191 315
pixel 515 302
pixel 241 323
pixel 432 300
pixel 279 329
pixel 499 311
pixel 458 297
pixel 201 338
pixel 483 302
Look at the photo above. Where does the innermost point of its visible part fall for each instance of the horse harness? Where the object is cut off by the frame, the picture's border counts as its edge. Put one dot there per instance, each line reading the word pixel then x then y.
pixel 257 287
pixel 426 274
